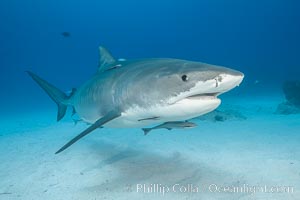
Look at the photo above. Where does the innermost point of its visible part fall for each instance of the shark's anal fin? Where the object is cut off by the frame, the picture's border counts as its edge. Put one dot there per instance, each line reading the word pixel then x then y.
pixel 108 117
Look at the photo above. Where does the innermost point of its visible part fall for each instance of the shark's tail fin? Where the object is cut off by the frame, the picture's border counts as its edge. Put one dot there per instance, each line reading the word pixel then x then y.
pixel 60 98
pixel 146 130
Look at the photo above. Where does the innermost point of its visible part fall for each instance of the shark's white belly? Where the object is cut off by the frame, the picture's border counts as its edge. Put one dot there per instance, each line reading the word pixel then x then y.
pixel 183 110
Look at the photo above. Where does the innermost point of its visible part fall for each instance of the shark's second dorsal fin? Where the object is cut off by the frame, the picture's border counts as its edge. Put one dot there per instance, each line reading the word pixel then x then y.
pixel 105 59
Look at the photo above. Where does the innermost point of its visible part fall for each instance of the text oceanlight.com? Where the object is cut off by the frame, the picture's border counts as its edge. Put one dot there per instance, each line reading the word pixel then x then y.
pixel 213 188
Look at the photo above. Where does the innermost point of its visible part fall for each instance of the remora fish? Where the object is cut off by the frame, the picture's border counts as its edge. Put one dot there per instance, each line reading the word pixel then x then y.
pixel 138 93
pixel 170 126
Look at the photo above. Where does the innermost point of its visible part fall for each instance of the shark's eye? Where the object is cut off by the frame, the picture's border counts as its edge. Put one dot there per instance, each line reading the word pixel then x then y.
pixel 184 78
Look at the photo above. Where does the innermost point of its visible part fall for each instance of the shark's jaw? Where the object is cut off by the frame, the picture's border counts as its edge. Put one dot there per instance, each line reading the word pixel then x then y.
pixel 205 95
pixel 184 109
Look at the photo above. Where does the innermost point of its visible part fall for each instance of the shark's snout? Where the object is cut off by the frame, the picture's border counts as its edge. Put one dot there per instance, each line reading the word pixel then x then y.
pixel 228 81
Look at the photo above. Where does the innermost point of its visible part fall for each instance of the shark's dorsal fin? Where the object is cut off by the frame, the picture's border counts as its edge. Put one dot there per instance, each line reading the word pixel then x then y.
pixel 105 59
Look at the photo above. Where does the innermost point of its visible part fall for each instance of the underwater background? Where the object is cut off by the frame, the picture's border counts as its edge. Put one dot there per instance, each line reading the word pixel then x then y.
pixel 259 38
pixel 58 40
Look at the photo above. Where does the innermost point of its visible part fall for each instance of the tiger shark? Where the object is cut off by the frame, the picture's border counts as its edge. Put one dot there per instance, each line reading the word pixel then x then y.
pixel 138 93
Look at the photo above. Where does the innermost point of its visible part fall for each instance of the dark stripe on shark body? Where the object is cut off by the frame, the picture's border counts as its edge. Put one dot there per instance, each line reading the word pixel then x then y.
pixel 150 118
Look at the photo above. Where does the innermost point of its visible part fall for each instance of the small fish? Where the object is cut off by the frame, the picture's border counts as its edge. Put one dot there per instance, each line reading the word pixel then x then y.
pixel 121 59
pixel 76 121
pixel 171 125
pixel 66 34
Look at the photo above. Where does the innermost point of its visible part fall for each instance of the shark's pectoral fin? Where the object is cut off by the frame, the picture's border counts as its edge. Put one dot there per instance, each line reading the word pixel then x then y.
pixel 108 117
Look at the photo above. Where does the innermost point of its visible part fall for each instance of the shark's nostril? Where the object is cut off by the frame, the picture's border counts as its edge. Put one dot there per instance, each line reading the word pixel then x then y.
pixel 220 78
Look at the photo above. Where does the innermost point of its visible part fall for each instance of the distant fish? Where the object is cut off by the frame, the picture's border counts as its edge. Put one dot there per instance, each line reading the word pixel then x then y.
pixel 256 82
pixel 171 125
pixel 66 34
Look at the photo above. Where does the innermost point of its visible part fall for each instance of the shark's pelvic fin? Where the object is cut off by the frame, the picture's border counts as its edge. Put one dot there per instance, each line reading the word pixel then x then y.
pixel 60 98
pixel 105 59
pixel 108 117
pixel 146 130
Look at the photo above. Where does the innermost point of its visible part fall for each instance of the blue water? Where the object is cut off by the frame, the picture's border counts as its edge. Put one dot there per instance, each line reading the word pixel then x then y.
pixel 259 38
pixel 252 145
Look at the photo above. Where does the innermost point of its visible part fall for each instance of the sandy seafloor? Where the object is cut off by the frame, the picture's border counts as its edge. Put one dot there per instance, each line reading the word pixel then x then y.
pixel 263 150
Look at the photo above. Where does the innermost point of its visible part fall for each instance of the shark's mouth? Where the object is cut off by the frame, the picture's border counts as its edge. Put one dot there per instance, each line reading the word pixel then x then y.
pixel 204 96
